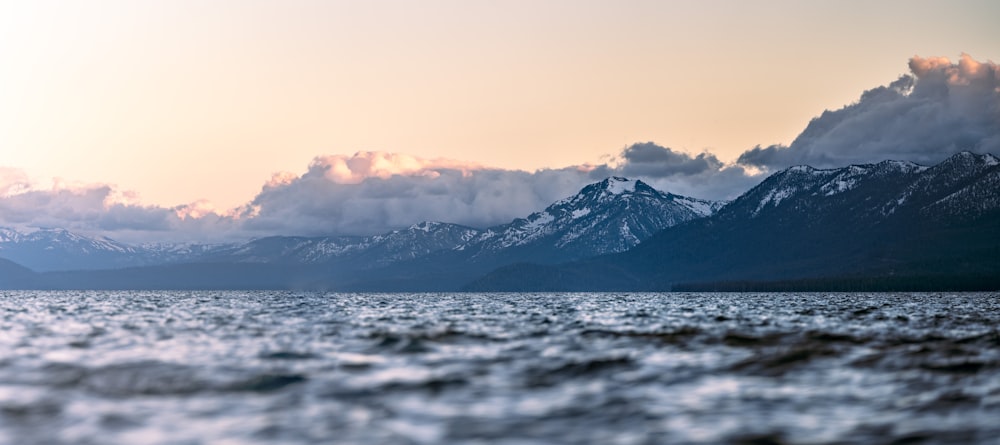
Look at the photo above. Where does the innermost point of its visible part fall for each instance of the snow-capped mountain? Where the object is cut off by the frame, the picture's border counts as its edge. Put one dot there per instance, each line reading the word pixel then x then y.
pixel 961 186
pixel 890 219
pixel 802 188
pixel 944 191
pixel 354 251
pixel 609 216
pixel 182 251
pixel 885 221
pixel 60 249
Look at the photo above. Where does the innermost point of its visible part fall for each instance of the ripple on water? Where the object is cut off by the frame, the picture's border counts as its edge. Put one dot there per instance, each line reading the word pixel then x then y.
pixel 267 367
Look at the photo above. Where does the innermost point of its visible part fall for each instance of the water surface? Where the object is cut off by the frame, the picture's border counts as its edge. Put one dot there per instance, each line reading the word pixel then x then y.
pixel 276 367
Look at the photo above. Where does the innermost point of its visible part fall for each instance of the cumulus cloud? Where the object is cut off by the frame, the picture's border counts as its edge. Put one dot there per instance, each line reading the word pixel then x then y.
pixel 372 192
pixel 939 109
pixel 364 165
pixel 701 176
pixel 649 159
pixel 13 181
pixel 98 209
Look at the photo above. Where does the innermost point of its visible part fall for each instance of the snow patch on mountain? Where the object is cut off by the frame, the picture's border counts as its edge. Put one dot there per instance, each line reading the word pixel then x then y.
pixel 804 169
pixel 618 186
pixel 537 222
pixel 8 235
pixel 423 226
pixel 355 252
pixel 905 166
pixel 699 207
pixel 774 197
pixel 839 186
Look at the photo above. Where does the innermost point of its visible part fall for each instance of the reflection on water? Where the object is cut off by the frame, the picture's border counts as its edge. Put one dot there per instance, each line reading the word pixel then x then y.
pixel 265 367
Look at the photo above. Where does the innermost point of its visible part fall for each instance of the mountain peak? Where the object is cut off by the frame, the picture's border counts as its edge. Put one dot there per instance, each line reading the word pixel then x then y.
pixel 612 215
pixel 801 168
pixel 425 226
pixel 968 157
pixel 9 235
pixel 904 166
pixel 617 185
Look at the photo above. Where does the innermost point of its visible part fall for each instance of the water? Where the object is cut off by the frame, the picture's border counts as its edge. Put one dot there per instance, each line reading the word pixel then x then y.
pixel 246 368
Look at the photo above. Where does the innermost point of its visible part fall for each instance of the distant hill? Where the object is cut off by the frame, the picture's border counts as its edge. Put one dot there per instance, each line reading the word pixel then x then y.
pixel 16 276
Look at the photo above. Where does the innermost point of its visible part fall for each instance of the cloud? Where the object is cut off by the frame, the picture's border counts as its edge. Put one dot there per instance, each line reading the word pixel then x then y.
pixel 373 192
pixel 363 165
pixel 360 194
pixel 84 208
pixel 12 181
pixel 651 160
pixel 701 176
pixel 940 108
pixel 98 209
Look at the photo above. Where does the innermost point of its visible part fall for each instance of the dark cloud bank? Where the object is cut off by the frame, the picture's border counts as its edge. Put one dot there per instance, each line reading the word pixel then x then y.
pixel 938 109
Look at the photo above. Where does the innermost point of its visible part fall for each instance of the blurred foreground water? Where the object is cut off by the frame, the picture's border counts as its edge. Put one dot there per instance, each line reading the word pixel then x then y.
pixel 283 367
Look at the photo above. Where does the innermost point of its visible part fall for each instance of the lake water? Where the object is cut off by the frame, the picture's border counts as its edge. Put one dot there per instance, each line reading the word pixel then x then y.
pixel 277 367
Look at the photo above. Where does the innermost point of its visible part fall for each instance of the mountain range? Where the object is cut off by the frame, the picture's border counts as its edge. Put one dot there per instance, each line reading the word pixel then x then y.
pixel 55 249
pixel 610 216
pixel 890 222
pixel 852 227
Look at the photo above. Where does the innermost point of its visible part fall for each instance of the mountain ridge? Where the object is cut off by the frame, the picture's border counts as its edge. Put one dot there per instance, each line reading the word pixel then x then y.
pixel 891 219
pixel 58 249
pixel 586 223
pixel 608 216
pixel 882 219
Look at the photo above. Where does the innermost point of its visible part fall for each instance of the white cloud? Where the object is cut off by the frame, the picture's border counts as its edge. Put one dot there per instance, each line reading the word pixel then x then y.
pixel 343 169
pixel 13 181
pixel 939 109
pixel 100 209
pixel 372 192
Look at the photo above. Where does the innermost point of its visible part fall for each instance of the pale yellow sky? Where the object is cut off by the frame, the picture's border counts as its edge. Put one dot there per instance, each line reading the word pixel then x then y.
pixel 188 100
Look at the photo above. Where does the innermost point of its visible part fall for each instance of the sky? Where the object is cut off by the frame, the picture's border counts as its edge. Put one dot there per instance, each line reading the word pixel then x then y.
pixel 149 120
